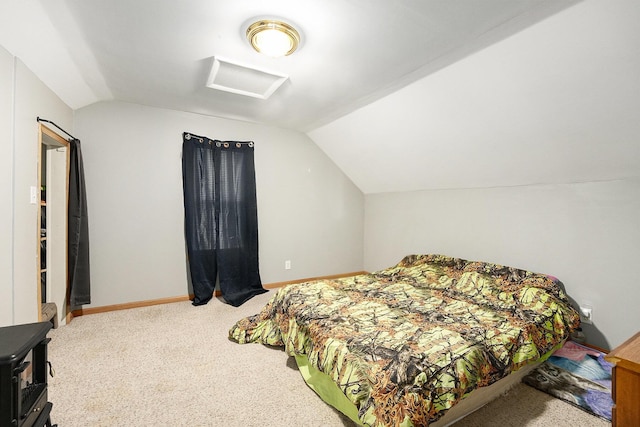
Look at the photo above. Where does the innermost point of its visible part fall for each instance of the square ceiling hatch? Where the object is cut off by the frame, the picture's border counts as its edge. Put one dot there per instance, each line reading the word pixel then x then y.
pixel 243 80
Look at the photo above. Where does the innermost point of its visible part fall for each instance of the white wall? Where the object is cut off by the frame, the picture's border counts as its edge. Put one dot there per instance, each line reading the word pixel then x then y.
pixel 308 211
pixel 31 98
pixel 585 234
pixel 557 103
pixel 545 126
pixel 6 188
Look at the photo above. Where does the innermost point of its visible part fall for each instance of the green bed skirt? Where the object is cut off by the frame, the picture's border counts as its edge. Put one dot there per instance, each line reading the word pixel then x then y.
pixel 324 387
pixel 329 391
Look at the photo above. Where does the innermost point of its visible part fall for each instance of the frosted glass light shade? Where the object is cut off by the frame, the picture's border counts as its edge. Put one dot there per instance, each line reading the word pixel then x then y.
pixel 273 38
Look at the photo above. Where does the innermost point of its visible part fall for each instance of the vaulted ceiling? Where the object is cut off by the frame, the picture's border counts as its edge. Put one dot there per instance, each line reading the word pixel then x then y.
pixel 402 95
pixel 160 53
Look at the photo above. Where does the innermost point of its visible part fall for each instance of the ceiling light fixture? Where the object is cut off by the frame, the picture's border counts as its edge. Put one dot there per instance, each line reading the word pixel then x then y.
pixel 273 38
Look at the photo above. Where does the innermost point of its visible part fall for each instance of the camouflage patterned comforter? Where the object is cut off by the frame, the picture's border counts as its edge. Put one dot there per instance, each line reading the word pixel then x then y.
pixel 406 343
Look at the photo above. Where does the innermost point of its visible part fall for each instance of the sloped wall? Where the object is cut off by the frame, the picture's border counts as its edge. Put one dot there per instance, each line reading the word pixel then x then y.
pixel 523 154
pixel 556 103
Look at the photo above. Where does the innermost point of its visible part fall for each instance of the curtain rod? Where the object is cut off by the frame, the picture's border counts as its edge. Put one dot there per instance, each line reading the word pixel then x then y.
pixel 225 144
pixel 49 121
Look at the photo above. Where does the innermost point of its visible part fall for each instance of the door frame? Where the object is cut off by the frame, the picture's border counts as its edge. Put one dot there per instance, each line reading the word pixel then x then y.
pixel 48 139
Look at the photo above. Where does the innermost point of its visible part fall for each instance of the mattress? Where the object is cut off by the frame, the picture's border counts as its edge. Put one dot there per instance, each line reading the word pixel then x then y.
pixel 404 345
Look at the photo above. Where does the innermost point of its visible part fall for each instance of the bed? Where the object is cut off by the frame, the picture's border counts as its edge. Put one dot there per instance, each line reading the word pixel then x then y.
pixel 404 345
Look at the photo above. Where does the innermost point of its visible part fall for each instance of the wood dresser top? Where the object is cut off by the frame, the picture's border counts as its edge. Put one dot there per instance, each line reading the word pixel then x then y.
pixel 628 351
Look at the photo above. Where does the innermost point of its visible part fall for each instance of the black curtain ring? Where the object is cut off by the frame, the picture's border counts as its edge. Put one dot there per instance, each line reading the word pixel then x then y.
pixel 187 136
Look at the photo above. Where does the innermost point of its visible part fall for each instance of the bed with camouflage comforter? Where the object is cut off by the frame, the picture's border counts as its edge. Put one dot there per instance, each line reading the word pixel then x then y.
pixel 405 344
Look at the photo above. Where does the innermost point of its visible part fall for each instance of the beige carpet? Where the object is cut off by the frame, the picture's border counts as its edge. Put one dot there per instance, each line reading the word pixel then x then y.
pixel 172 365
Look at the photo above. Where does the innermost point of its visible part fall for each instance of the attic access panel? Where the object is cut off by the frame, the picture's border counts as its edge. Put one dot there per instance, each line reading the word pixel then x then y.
pixel 243 80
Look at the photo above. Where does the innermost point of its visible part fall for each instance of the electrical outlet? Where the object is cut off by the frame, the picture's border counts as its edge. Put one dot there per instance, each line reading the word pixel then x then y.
pixel 287 264
pixel 586 314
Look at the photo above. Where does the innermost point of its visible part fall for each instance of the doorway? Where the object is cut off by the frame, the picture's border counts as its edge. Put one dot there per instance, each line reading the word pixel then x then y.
pixel 53 181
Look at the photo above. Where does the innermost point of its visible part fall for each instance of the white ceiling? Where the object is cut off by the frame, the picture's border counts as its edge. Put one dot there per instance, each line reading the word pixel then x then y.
pixel 159 52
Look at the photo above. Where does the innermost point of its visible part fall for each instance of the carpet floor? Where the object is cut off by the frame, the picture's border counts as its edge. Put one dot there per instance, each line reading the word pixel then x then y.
pixel 173 365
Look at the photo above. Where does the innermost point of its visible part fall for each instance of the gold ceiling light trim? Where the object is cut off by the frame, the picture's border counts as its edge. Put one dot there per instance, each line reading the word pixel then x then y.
pixel 273 38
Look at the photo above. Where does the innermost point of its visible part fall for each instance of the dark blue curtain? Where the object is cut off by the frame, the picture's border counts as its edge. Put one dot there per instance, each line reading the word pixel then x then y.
pixel 221 218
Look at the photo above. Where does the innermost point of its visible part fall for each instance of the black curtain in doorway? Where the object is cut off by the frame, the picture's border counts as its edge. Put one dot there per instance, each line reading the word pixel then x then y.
pixel 78 230
pixel 221 219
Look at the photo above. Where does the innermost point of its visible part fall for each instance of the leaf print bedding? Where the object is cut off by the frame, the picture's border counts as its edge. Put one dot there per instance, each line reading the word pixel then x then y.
pixel 407 343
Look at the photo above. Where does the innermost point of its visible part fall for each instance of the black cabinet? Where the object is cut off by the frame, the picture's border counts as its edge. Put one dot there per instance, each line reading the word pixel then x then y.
pixel 23 375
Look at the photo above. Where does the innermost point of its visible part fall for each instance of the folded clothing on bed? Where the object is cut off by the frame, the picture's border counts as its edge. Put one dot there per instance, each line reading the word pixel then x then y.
pixel 406 343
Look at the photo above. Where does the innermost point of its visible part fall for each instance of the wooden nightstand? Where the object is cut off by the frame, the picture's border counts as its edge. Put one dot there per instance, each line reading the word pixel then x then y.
pixel 625 389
